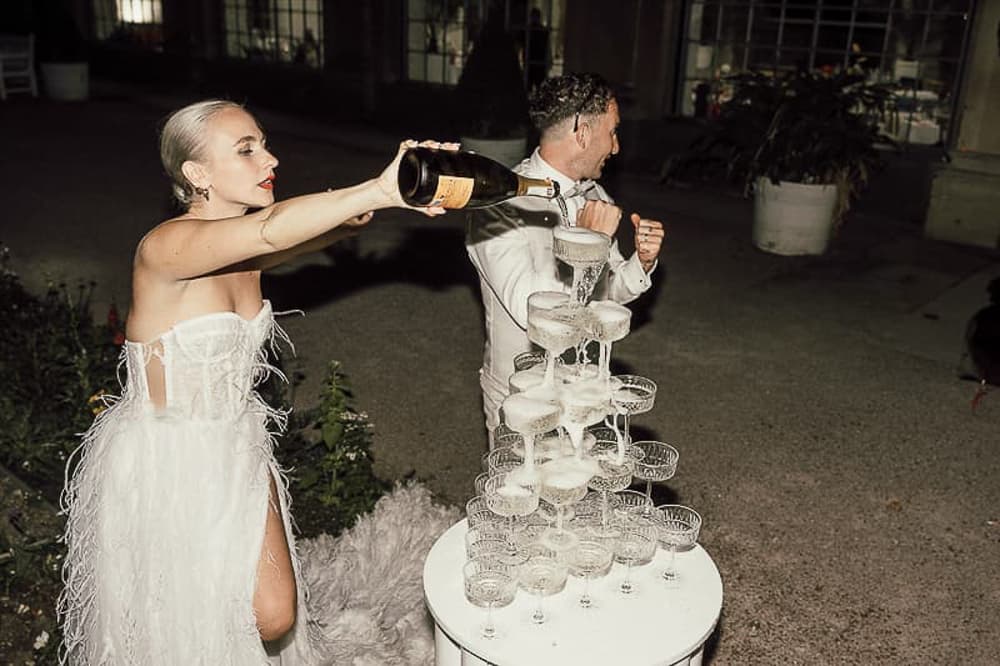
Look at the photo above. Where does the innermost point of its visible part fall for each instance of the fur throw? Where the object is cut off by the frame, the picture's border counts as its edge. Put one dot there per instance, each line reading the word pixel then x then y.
pixel 366 586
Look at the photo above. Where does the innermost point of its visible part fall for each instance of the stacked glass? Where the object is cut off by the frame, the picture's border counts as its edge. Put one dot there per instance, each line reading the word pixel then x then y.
pixel 530 522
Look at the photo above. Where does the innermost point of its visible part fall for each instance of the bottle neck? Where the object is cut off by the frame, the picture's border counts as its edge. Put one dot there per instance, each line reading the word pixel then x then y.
pixel 537 187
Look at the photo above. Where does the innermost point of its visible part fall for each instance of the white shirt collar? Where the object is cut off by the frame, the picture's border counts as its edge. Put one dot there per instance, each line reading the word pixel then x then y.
pixel 536 166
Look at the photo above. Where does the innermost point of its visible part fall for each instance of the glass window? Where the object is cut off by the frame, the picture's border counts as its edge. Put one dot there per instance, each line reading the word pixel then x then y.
pixel 287 31
pixel 917 45
pixel 131 23
pixel 440 33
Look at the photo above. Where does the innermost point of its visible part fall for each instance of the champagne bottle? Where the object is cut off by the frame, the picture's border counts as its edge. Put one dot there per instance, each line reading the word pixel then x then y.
pixel 463 180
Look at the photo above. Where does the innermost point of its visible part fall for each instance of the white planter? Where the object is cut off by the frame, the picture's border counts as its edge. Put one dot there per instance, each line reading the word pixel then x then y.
pixel 792 218
pixel 66 81
pixel 505 151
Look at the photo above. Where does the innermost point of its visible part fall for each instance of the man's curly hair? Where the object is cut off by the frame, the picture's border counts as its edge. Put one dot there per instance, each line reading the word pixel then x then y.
pixel 554 100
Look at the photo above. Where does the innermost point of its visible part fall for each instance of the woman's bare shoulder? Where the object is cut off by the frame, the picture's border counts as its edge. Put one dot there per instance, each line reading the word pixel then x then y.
pixel 158 237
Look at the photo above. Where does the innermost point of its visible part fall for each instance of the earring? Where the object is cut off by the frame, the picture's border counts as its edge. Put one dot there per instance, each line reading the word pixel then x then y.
pixel 203 191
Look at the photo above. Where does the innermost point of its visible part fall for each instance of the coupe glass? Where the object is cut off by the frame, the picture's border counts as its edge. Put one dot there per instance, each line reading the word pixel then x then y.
pixel 502 430
pixel 553 325
pixel 489 584
pixel 477 512
pixel 590 559
pixel 562 490
pixel 475 505
pixel 592 505
pixel 679 531
pixel 659 463
pixel 632 502
pixel 630 395
pixel 542 575
pixel 486 540
pixel 528 360
pixel 508 496
pixel 610 323
pixel 635 545
pixel 508 439
pixel 584 402
pixel 502 459
pixel 587 252
pixel 615 474
pixel 480 483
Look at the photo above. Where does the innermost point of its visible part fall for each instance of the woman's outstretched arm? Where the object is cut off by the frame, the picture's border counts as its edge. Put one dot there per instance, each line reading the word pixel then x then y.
pixel 186 248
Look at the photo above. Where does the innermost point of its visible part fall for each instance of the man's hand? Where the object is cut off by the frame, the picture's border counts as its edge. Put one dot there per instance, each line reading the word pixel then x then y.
pixel 648 240
pixel 599 216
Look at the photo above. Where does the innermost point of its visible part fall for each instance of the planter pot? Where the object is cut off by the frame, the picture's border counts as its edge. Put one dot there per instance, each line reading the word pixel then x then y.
pixel 66 81
pixel 792 218
pixel 505 151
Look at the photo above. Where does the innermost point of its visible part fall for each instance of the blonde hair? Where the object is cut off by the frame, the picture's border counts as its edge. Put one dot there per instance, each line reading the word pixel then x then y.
pixel 183 139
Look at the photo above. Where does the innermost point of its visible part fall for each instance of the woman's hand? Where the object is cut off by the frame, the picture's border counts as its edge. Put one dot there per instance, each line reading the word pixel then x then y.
pixel 388 182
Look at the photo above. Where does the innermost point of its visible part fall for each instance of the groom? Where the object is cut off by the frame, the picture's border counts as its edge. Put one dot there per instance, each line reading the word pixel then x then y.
pixel 511 244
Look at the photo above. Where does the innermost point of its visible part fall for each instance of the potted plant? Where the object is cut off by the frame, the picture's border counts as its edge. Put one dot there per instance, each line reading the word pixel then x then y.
pixel 62 51
pixel 490 103
pixel 804 143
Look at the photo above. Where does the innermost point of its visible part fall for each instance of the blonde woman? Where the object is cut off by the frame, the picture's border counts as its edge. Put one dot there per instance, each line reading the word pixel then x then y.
pixel 180 549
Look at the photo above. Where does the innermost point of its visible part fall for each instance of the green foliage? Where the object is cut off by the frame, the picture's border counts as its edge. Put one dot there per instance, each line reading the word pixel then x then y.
pixel 329 455
pixel 54 360
pixel 30 565
pixel 803 127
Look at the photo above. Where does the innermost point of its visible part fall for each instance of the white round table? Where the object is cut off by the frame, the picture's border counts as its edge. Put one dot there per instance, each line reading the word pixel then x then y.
pixel 658 625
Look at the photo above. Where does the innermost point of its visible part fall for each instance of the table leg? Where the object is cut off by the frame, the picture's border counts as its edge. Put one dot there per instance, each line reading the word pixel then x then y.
pixel 446 652
pixel 695 658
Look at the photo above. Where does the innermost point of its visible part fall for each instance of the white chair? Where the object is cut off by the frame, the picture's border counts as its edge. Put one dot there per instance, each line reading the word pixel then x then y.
pixel 17 65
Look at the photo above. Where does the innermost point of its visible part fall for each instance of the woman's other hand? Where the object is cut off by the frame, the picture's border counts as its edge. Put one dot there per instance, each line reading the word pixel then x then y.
pixel 359 220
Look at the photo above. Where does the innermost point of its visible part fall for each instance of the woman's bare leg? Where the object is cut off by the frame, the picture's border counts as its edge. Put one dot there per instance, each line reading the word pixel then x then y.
pixel 275 598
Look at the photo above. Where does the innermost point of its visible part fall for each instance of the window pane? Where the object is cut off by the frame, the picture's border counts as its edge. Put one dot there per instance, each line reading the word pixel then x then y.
pixel 444 32
pixel 288 31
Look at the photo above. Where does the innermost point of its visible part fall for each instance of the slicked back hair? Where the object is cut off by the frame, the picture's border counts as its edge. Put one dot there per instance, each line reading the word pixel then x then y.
pixel 183 139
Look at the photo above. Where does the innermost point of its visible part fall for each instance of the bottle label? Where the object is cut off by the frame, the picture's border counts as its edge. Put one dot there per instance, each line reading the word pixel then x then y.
pixel 548 190
pixel 453 191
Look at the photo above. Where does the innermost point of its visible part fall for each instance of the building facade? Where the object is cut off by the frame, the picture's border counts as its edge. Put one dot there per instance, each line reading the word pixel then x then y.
pixel 394 61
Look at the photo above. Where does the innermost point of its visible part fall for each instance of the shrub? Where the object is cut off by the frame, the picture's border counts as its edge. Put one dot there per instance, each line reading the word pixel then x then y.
pixel 328 453
pixel 55 363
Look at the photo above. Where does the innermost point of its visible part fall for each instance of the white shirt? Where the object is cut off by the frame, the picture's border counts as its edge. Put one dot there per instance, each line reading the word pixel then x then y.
pixel 511 247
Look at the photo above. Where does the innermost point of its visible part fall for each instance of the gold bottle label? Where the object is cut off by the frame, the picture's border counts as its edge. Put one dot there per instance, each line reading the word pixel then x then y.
pixel 453 191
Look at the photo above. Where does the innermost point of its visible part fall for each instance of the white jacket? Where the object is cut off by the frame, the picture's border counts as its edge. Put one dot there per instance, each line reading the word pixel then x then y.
pixel 511 247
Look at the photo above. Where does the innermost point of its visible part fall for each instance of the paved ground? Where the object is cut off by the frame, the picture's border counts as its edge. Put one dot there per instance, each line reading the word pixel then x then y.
pixel 850 495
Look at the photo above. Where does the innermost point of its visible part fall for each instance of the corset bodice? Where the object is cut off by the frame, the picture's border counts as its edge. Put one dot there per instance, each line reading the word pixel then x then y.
pixel 211 364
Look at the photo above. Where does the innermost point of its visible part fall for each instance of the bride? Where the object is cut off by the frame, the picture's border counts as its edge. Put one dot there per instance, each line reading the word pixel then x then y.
pixel 180 548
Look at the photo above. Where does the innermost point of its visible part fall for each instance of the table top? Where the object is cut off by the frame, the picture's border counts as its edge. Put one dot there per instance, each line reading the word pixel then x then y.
pixel 656 625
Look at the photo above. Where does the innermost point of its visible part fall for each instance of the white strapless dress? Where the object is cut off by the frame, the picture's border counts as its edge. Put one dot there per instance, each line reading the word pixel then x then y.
pixel 166 509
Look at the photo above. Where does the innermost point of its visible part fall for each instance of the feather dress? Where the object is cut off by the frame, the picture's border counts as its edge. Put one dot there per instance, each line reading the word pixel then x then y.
pixel 166 509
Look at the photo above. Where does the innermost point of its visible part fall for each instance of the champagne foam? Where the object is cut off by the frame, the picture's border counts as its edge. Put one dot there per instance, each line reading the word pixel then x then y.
pixel 522 380
pixel 546 300
pixel 524 476
pixel 526 414
pixel 610 321
pixel 580 235
pixel 509 489
pixel 569 472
